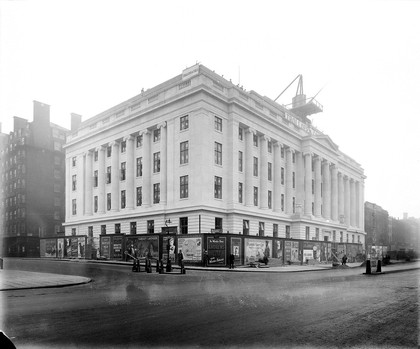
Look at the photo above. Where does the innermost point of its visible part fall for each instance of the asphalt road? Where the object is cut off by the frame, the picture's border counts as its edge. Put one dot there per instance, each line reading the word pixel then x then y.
pixel 121 309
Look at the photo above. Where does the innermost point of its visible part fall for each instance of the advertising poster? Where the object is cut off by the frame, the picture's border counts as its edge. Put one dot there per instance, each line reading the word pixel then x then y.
pixel 48 248
pixel 216 248
pixel 60 248
pixel 308 255
pixel 117 247
pixel 191 249
pixel 147 247
pixel 42 247
pixel 256 250
pixel 278 249
pixel 315 247
pixel 236 248
pixel 288 251
pixel 74 248
pixel 295 251
pixel 67 248
pixel 326 254
pixel 81 248
pixel 105 246
pixel 168 244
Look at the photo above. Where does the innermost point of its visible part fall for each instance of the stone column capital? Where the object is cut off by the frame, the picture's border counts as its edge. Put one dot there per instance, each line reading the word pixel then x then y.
pixel 251 130
pixel 162 125
pixel 129 138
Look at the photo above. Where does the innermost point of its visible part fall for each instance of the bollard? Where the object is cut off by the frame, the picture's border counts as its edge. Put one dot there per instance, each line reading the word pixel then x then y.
pixel 138 265
pixel 134 268
pixel 368 270
pixel 182 267
pixel 157 266
pixel 168 266
pixel 149 266
pixel 160 267
pixel 379 267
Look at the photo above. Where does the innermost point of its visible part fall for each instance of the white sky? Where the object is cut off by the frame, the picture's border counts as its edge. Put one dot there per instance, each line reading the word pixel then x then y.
pixel 87 56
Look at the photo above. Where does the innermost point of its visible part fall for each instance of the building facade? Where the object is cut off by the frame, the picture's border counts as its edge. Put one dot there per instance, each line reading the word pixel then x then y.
pixel 199 154
pixel 33 183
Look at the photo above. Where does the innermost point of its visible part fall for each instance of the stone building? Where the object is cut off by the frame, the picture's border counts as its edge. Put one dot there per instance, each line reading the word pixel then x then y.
pixel 199 154
pixel 33 183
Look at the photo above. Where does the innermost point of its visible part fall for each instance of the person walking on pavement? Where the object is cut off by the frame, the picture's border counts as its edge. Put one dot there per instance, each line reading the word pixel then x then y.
pixel 180 258
pixel 205 258
pixel 344 260
pixel 231 261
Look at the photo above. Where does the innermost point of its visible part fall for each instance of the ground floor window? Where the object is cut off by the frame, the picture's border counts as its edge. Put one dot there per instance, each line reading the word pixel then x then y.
pixel 151 227
pixel 245 227
pixel 218 223
pixel 261 228
pixel 275 230
pixel 287 231
pixel 183 225
pixel 103 229
pixel 133 228
pixel 117 228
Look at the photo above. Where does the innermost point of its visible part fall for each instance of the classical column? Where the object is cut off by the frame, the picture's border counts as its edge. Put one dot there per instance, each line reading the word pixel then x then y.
pixel 308 183
pixel 163 163
pixel 334 193
pixel 362 205
pixel 88 183
pixel 115 176
pixel 347 200
pixel 101 180
pixel 289 188
pixel 147 169
pixel 130 173
pixel 249 162
pixel 317 189
pixel 300 182
pixel 341 212
pixel 277 178
pixel 263 173
pixel 326 198
pixel 352 203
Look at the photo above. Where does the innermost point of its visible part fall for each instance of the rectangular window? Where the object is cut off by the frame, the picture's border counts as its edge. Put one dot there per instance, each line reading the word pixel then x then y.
pixel 183 122
pixel 341 236
pixel 240 161
pixel 241 133
pixel 269 199
pixel 293 157
pixel 183 152
pixel 255 196
pixel 73 207
pixel 255 166
pixel 156 135
pixel 95 204
pixel 95 178
pixel 122 198
pixel 183 187
pixel 352 238
pixel 151 227
pixel 217 187
pixel 317 233
pixel 293 180
pixel 156 193
pixel 245 227
pixel 218 124
pixel 282 176
pixel 139 167
pixel 307 230
pixel 156 162
pixel 108 151
pixel 117 228
pixel 287 231
pixel 108 175
pixel 270 171
pixel 108 201
pixel 123 146
pixel 255 140
pixel 282 202
pixel 218 223
pixel 123 168
pixel 269 146
pixel 183 225
pixel 275 230
pixel 240 192
pixel 90 231
pixel 73 161
pixel 217 153
pixel 138 196
pixel 133 228
pixel 139 141
pixel 73 231
pixel 103 229
pixel 74 182
pixel 95 155
pixel 293 204
pixel 261 227
pixel 282 152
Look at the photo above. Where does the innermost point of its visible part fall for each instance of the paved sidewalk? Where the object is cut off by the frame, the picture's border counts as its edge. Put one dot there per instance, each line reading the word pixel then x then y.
pixel 17 279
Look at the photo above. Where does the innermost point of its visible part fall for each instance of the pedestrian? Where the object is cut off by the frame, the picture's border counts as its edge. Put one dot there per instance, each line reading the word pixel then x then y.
pixel 231 261
pixel 180 258
pixel 344 260
pixel 205 258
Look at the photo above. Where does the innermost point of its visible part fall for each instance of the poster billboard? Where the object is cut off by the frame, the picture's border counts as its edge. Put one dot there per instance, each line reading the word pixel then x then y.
pixel 81 247
pixel 105 246
pixel 191 248
pixel 48 248
pixel 236 249
pixel 117 243
pixel 278 249
pixel 67 248
pixel 257 249
pixel 216 248
pixel 168 244
pixel 295 251
pixel 60 248
pixel 147 247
